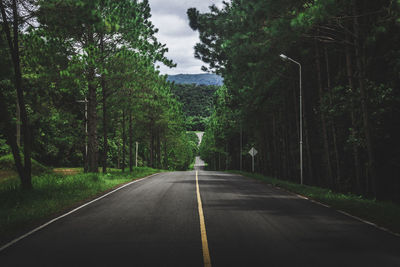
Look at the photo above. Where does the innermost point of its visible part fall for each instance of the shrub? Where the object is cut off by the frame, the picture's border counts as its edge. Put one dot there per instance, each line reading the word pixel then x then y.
pixel 7 164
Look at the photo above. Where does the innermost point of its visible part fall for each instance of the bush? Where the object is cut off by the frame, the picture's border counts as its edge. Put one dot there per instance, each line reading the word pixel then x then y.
pixel 4 149
pixel 7 164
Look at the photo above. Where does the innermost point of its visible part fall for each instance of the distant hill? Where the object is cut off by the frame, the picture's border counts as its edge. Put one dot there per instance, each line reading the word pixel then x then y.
pixel 198 79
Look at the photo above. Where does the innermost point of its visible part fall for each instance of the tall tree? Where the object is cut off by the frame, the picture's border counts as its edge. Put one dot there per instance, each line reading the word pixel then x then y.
pixel 343 47
pixel 12 21
pixel 96 27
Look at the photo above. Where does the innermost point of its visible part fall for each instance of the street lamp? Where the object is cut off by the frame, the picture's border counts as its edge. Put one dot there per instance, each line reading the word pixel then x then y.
pixel 286 58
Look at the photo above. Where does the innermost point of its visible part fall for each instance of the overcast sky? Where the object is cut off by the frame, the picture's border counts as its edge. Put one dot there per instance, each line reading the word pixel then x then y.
pixel 169 16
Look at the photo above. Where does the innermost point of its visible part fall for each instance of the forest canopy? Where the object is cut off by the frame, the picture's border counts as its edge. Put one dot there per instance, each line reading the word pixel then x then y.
pixel 350 65
pixel 197 103
pixel 79 87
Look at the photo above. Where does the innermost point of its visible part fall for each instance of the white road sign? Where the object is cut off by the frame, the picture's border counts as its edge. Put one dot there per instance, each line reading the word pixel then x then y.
pixel 253 152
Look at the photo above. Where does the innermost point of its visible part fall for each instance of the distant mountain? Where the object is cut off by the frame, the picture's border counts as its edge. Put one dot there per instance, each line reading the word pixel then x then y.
pixel 198 79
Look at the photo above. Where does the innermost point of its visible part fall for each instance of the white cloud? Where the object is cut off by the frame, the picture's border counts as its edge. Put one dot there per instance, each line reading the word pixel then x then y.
pixel 171 25
pixel 180 6
pixel 169 16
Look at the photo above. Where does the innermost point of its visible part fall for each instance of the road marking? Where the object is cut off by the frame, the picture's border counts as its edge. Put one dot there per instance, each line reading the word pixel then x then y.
pixel 204 242
pixel 368 222
pixel 329 207
pixel 68 213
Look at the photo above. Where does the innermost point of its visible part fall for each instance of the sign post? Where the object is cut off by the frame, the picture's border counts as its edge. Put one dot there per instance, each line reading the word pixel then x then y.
pixel 252 152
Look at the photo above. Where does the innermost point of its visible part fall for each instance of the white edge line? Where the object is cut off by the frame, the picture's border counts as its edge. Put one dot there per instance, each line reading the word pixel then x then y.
pixel 70 212
pixel 340 211
pixel 357 218
pixel 368 222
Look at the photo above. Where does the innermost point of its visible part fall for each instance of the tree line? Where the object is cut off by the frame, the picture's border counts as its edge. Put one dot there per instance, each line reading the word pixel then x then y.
pixel 349 55
pixel 79 84
pixel 197 101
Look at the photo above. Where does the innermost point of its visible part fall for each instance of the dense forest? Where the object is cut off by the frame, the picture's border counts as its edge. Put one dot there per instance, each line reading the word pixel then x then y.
pixel 79 87
pixel 350 107
pixel 197 103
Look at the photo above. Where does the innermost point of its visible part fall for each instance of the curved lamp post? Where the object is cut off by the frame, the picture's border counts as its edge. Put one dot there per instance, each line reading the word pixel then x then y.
pixel 286 58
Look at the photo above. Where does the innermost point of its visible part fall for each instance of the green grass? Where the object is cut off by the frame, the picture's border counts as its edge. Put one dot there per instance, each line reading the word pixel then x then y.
pixel 52 195
pixel 191 166
pixel 384 214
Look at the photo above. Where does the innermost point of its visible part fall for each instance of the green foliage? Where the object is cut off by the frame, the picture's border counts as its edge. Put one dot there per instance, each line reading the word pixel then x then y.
pixel 7 164
pixel 220 124
pixel 193 137
pixel 193 143
pixel 105 52
pixel 4 149
pixel 181 152
pixel 197 103
pixel 350 68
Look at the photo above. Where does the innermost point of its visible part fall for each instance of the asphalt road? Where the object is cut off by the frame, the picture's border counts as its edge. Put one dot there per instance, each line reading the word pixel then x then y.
pixel 155 222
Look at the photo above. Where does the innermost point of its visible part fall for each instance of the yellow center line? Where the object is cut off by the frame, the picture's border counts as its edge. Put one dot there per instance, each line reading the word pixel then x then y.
pixel 204 242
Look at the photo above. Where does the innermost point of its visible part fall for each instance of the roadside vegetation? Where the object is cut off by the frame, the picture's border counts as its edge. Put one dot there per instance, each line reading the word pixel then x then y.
pixel 383 213
pixel 197 101
pixel 81 88
pixel 81 93
pixel 7 165
pixel 53 194
pixel 349 57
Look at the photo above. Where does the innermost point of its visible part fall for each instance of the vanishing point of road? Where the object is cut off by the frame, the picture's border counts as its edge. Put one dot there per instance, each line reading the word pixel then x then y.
pixel 202 218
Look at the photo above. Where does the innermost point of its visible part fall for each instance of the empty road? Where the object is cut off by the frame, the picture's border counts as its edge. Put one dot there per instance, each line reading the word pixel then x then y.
pixel 172 219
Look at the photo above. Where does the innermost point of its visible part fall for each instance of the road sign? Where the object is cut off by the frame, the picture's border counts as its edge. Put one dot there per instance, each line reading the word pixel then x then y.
pixel 253 152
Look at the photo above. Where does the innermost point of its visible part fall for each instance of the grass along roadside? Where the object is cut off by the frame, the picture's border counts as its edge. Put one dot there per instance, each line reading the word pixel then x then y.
pixel 384 214
pixel 191 166
pixel 53 194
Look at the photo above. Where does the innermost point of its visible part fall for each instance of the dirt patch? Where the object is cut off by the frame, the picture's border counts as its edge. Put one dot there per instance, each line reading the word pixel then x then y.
pixel 66 171
pixel 7 174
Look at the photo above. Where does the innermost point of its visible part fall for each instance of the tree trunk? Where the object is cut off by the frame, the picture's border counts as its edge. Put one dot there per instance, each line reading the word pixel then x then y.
pixel 104 94
pixel 226 157
pixel 297 123
pixel 18 121
pixel 92 123
pixel 25 172
pixel 158 151
pixel 323 120
pixel 118 156
pixel 130 142
pixel 285 147
pixel 269 153
pixel 165 155
pixel 219 161
pixel 241 147
pixel 151 147
pixel 307 147
pixel 215 161
pixel 93 147
pixel 364 106
pixel 333 127
pixel 350 77
pixel 10 136
pixel 275 153
pixel 123 141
